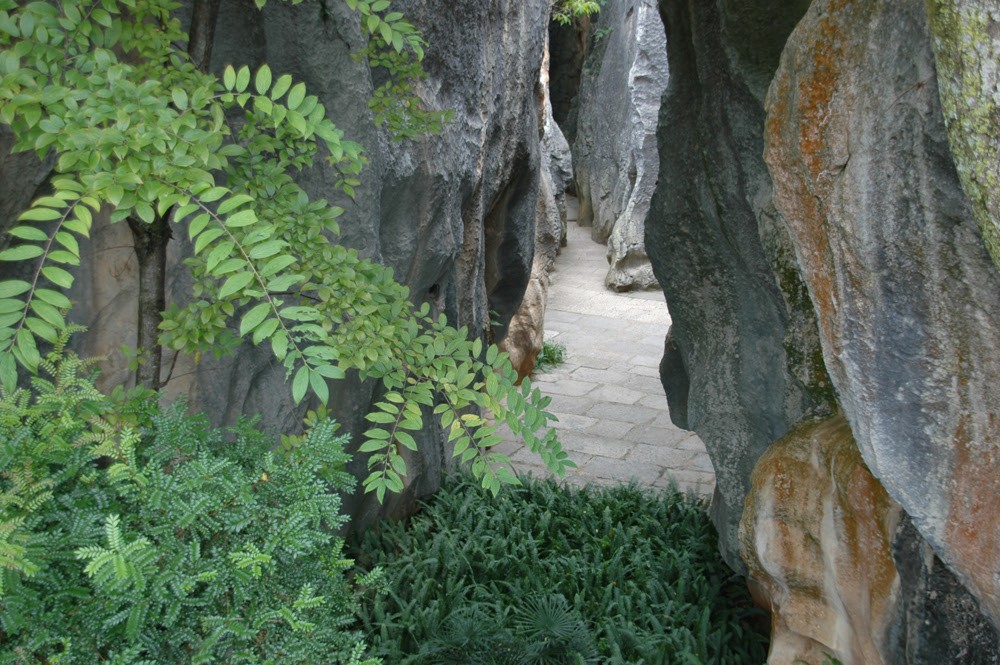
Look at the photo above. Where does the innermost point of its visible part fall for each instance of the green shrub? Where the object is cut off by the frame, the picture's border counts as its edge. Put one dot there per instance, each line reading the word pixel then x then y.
pixel 548 575
pixel 131 534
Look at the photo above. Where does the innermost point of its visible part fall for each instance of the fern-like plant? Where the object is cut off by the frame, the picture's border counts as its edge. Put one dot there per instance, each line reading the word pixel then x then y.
pixel 137 535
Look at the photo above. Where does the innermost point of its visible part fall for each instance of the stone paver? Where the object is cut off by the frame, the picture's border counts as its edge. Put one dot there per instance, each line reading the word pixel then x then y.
pixel 612 412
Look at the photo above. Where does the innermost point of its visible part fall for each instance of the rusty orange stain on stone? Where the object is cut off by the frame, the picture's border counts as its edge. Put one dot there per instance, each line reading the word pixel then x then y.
pixel 973 529
pixel 816 573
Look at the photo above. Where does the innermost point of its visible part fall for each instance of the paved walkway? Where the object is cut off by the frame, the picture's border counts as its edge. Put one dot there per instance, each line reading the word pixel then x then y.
pixel 612 412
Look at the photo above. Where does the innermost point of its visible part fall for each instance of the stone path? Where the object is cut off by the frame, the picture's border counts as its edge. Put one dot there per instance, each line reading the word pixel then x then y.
pixel 612 412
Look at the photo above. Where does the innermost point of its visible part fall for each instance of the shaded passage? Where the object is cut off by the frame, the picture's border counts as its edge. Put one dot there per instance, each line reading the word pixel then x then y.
pixel 612 412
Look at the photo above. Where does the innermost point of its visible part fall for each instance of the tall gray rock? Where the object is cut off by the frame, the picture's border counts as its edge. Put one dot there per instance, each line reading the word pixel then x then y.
pixel 727 373
pixel 906 295
pixel 614 151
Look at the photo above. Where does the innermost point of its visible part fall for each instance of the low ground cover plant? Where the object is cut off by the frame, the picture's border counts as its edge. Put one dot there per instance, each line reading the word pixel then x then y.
pixel 131 534
pixel 548 575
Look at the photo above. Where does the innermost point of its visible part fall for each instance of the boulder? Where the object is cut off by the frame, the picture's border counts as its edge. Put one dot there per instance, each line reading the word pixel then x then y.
pixel 906 294
pixel 614 150
pixel 841 566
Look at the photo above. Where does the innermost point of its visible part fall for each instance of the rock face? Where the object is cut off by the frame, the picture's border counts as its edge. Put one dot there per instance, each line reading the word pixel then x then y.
pixel 726 373
pixel 453 215
pixel 967 49
pixel 848 276
pixel 907 298
pixel 843 569
pixel 817 535
pixel 526 333
pixel 614 151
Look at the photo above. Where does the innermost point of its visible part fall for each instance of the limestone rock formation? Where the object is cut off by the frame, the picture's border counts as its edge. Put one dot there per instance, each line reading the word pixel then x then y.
pixel 848 276
pixel 526 333
pixel 727 373
pixel 817 535
pixel 841 566
pixel 614 151
pixel 907 298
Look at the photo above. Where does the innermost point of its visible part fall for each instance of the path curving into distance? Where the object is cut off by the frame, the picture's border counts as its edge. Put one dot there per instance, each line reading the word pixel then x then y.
pixel 612 411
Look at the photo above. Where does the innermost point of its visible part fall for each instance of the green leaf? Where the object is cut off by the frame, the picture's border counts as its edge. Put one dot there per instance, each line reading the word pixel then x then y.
pixel 39 214
pixel 54 298
pixel 61 256
pixel 213 194
pixel 42 329
pixel 406 439
pixel 276 265
pixel 263 80
pixel 69 242
pixel 331 371
pixel 254 317
pixel 319 386
pixel 380 417
pixel 58 276
pixel 300 383
pixel 281 86
pixel 28 233
pixel 29 355
pixel 8 372
pixel 229 77
pixel 242 78
pixel 242 218
pixel 266 249
pixel 296 96
pixel 235 283
pixel 233 202
pixel 14 287
pixel 180 98
pixel 374 445
pixel 48 313
pixel 219 252
pixel 205 239
pixel 21 252
pixel 8 305
pixel 265 330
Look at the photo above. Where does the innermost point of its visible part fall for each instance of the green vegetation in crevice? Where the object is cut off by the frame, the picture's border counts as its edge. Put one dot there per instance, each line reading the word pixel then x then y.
pixel 551 355
pixel 565 11
pixel 541 574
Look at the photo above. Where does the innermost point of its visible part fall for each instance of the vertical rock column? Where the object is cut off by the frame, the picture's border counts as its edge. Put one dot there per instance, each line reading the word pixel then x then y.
pixel 712 237
pixel 906 295
pixel 614 151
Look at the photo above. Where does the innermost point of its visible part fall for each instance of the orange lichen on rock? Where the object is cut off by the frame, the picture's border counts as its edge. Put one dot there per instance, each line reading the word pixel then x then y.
pixel 816 535
pixel 973 525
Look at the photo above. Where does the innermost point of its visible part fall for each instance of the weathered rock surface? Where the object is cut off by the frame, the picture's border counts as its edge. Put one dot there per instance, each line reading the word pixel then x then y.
pixel 526 333
pixel 726 371
pixel 453 215
pixel 967 49
pixel 614 151
pixel 843 569
pixel 817 536
pixel 907 298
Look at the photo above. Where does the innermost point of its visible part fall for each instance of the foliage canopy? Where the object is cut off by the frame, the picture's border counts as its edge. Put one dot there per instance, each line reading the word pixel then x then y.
pixel 142 133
